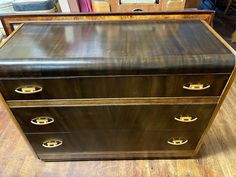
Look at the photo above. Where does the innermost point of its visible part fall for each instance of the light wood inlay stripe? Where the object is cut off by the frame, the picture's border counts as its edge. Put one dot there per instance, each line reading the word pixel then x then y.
pixel 10 36
pixel 116 101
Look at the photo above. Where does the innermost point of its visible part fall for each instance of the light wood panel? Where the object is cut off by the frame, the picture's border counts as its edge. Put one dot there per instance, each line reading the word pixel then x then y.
pixel 217 156
pixel 112 101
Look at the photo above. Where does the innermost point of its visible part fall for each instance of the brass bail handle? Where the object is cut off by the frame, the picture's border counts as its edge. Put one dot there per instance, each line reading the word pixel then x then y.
pixel 28 89
pixel 186 118
pixel 196 86
pixel 177 141
pixel 42 120
pixel 52 143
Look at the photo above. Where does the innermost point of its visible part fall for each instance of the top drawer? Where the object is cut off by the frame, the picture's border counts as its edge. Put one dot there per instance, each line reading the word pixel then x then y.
pixel 114 87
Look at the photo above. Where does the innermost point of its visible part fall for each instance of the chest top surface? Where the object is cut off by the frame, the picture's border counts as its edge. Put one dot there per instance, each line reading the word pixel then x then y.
pixel 123 47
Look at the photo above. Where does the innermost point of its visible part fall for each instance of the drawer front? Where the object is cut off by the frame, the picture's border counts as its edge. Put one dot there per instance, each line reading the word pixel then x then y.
pixel 110 140
pixel 125 117
pixel 114 87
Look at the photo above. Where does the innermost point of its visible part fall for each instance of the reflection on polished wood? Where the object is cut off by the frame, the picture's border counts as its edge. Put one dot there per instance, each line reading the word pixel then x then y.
pixel 8 20
pixel 217 156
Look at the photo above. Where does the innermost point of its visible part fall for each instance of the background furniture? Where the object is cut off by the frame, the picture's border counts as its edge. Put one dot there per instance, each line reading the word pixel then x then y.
pixel 9 20
pixel 159 5
pixel 34 6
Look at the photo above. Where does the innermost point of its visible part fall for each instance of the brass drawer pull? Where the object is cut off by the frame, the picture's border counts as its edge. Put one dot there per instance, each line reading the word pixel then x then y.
pixel 186 119
pixel 196 86
pixel 43 120
pixel 28 89
pixel 52 143
pixel 177 141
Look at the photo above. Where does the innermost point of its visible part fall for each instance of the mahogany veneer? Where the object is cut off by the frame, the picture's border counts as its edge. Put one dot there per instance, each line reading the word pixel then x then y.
pixel 115 89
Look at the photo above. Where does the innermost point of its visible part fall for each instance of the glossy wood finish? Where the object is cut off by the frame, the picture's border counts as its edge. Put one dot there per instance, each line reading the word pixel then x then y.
pixel 112 101
pixel 109 156
pixel 115 87
pixel 140 117
pixel 112 52
pixel 139 135
pixel 112 141
pixel 215 158
pixel 8 20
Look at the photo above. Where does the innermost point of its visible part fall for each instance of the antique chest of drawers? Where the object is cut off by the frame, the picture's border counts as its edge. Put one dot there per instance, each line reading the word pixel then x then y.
pixel 115 89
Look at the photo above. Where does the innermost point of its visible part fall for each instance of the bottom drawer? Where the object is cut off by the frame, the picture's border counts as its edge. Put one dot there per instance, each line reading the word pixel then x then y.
pixel 112 141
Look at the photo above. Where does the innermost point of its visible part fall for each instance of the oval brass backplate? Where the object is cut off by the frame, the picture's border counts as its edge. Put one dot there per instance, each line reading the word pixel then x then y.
pixel 177 141
pixel 196 86
pixel 185 118
pixel 42 120
pixel 28 89
pixel 52 143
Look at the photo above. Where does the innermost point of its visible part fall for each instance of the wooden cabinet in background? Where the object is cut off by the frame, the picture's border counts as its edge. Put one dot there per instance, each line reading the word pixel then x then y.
pixel 150 5
pixel 100 6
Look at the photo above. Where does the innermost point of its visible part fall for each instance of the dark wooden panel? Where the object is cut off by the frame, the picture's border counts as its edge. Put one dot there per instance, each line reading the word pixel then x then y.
pixel 112 141
pixel 192 4
pixel 121 47
pixel 115 87
pixel 180 154
pixel 139 117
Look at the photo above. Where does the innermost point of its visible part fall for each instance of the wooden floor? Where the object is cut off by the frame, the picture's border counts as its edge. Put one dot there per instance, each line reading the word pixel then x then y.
pixel 217 156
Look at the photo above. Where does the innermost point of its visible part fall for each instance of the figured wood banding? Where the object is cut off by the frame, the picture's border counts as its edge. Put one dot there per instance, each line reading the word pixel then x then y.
pixel 9 19
pixel 110 101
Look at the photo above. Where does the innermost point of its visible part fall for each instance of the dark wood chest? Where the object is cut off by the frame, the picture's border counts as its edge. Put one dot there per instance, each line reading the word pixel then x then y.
pixel 115 90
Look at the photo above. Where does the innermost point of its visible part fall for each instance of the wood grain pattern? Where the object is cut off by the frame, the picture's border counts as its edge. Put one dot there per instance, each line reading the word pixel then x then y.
pixel 139 118
pixel 216 157
pixel 106 49
pixel 114 141
pixel 115 87
pixel 168 50
pixel 8 20
pixel 134 155
pixel 4 41
pixel 115 101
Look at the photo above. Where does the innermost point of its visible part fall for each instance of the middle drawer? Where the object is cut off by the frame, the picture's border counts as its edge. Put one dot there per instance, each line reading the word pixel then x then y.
pixel 122 117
